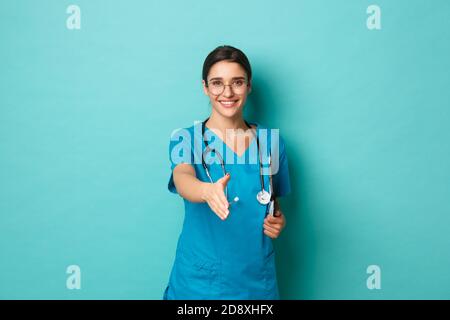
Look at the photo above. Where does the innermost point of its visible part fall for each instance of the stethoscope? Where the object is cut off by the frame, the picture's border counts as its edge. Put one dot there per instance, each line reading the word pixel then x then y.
pixel 263 196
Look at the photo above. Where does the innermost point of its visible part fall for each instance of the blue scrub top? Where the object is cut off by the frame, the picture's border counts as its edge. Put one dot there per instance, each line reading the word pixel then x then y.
pixel 231 258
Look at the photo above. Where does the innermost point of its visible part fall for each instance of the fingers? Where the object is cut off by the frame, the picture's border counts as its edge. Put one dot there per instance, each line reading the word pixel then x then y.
pixel 223 200
pixel 270 234
pixel 221 206
pixel 218 196
pixel 215 197
pixel 218 211
pixel 275 219
pixel 275 228
pixel 272 231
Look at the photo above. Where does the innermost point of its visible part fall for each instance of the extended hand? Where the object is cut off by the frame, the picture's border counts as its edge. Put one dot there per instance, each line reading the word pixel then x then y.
pixel 214 195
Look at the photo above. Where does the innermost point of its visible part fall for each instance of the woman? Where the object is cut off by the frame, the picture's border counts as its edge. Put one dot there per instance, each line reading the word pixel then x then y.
pixel 225 248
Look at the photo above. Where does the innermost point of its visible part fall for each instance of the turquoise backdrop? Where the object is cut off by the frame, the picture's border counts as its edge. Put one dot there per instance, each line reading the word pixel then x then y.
pixel 86 115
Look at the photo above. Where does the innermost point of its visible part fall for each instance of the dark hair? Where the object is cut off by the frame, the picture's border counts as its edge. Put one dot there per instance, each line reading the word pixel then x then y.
pixel 227 53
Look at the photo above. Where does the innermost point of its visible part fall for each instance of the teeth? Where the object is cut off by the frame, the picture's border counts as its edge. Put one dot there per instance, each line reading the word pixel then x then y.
pixel 228 102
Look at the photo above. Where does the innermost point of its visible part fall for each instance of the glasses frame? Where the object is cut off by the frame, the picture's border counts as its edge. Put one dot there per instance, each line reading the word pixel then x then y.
pixel 225 85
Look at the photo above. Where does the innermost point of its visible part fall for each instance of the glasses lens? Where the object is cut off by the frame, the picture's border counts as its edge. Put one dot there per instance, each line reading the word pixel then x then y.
pixel 239 86
pixel 217 87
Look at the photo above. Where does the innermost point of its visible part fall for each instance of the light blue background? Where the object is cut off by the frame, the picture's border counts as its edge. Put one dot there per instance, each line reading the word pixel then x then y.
pixel 86 115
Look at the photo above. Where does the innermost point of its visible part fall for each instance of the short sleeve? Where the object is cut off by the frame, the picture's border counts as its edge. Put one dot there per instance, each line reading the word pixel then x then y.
pixel 180 151
pixel 281 180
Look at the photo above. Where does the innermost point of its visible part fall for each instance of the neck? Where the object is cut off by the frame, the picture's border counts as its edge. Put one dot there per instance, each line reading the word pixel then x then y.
pixel 221 123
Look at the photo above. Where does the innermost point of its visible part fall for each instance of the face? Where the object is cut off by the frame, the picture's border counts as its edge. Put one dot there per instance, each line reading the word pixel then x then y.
pixel 233 79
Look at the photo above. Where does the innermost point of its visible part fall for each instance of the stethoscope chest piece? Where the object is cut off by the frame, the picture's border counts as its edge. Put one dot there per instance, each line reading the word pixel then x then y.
pixel 263 197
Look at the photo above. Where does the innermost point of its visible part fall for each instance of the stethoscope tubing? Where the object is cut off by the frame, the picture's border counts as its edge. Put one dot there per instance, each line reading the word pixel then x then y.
pixel 209 149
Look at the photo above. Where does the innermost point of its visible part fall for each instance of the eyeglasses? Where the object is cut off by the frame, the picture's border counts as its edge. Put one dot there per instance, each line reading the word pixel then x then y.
pixel 217 87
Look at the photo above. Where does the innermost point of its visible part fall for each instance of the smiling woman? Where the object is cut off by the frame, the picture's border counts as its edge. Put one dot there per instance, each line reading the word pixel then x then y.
pixel 226 252
pixel 227 80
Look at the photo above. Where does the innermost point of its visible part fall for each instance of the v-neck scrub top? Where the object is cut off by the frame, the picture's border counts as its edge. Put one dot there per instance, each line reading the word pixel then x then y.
pixel 231 258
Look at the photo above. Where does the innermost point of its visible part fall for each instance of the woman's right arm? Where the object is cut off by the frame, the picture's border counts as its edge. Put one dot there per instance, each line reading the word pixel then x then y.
pixel 194 190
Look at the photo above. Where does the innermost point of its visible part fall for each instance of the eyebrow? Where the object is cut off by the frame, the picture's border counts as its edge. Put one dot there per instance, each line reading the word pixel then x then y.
pixel 234 78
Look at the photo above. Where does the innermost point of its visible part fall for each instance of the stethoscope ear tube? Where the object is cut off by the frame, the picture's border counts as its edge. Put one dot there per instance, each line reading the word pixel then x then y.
pixel 209 149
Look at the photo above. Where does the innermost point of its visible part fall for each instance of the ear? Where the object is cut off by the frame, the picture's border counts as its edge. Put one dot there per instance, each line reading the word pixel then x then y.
pixel 249 87
pixel 205 89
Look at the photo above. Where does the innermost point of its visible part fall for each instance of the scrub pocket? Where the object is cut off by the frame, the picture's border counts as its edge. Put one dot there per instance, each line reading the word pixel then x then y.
pixel 195 278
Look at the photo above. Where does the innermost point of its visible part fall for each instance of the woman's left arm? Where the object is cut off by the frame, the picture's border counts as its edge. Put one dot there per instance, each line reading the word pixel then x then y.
pixel 273 225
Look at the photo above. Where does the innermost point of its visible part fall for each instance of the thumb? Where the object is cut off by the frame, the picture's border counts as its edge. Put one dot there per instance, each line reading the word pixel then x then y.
pixel 224 180
pixel 277 213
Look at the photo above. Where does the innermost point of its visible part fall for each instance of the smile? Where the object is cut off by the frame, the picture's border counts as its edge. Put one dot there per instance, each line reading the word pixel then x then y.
pixel 228 103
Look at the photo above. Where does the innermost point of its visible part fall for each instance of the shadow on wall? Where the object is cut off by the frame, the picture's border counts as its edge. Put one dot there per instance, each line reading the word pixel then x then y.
pixel 295 273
